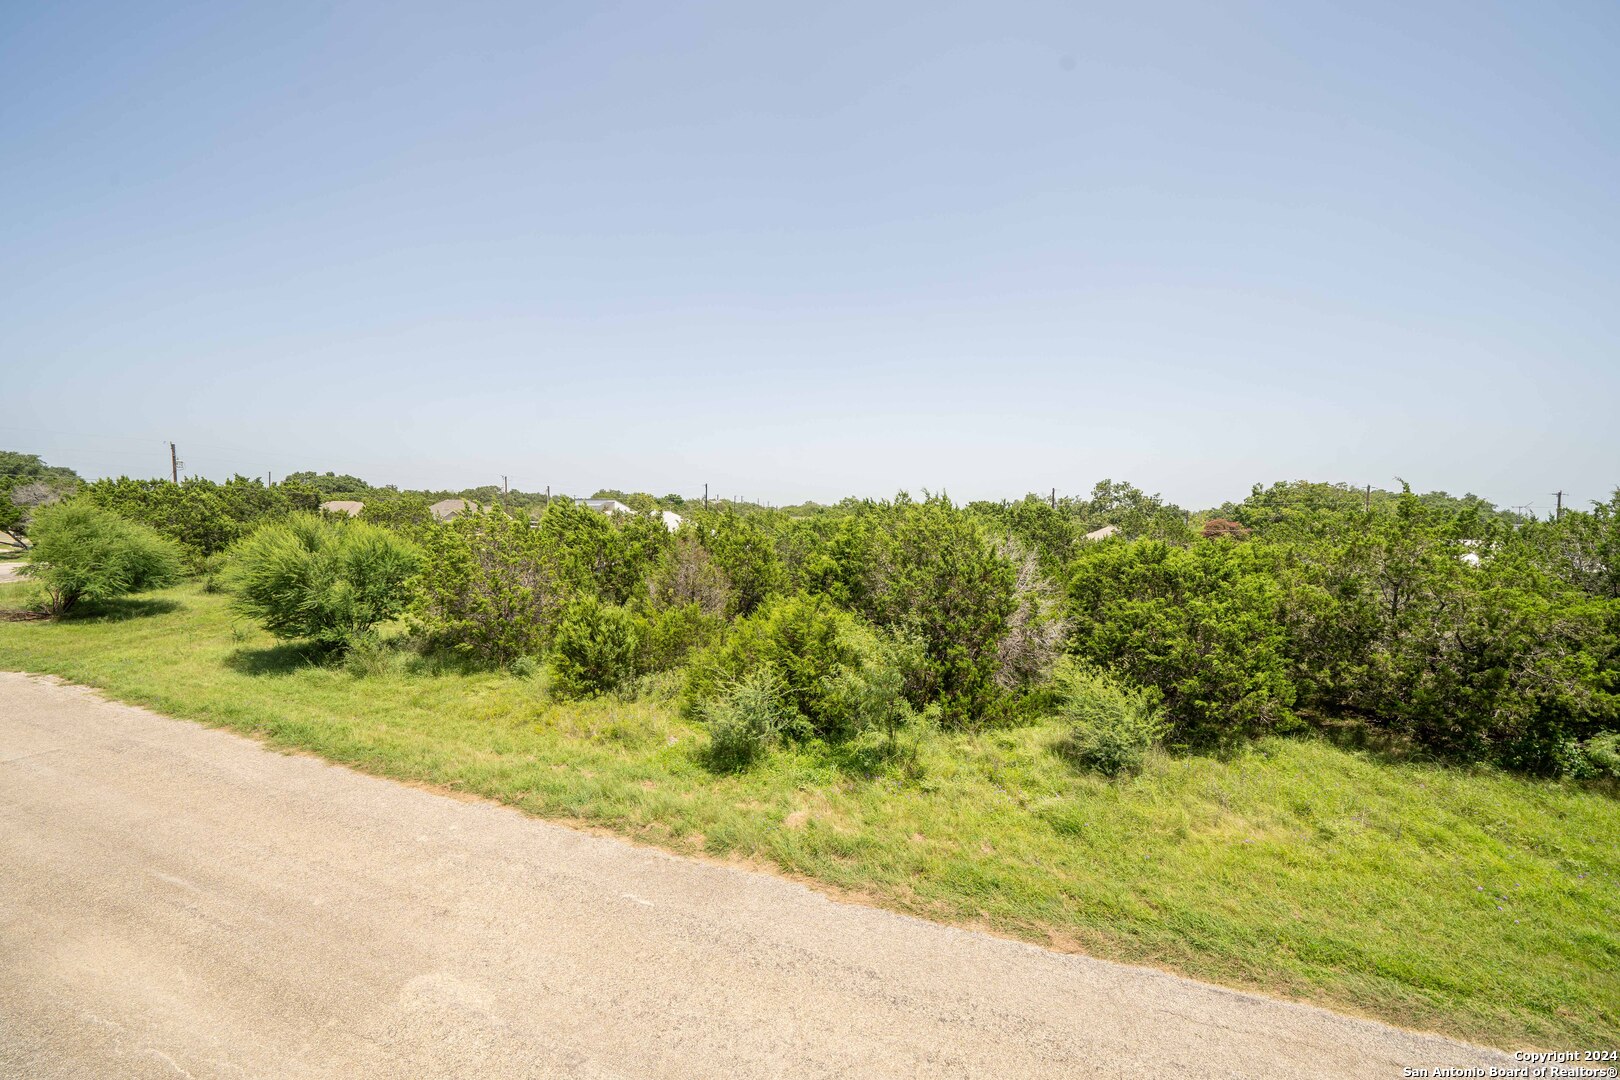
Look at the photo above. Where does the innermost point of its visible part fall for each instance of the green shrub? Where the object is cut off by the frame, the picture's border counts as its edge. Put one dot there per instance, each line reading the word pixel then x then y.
pixel 212 568
pixel 496 586
pixel 746 718
pixel 666 637
pixel 488 588
pixel 595 649
pixel 1602 754
pixel 1111 726
pixel 929 570
pixel 868 691
pixel 1201 625
pixel 405 512
pixel 801 638
pixel 1492 658
pixel 367 656
pixel 328 581
pixel 838 676
pixel 688 575
pixel 525 667
pixel 589 553
pixel 83 552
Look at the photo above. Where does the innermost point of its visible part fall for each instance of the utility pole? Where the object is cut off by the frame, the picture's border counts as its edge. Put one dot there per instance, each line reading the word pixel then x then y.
pixel 1560 496
pixel 705 496
pixel 174 465
pixel 1366 504
pixel 504 491
pixel 1054 498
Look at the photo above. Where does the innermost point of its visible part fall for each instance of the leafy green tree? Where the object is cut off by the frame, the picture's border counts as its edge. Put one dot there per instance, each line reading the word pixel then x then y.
pixel 800 541
pixel 1582 547
pixel 322 579
pixel 1134 512
pixel 19 466
pixel 27 483
pixel 1299 509
pixel 329 484
pixel 82 552
pixel 666 635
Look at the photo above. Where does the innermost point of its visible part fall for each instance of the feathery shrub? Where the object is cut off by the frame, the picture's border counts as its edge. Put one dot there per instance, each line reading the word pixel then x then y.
pixel 83 552
pixel 325 580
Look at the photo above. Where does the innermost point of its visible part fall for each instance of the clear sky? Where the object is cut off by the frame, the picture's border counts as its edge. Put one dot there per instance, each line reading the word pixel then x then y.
pixel 808 250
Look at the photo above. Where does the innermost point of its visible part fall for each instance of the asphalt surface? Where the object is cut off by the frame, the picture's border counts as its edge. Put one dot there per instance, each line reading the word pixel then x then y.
pixel 179 901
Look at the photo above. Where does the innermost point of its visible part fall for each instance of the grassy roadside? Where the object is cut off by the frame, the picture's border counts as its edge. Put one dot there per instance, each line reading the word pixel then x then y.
pixel 1467 902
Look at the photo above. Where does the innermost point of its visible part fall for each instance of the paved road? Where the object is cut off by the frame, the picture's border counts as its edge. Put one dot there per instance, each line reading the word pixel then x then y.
pixel 10 570
pixel 178 901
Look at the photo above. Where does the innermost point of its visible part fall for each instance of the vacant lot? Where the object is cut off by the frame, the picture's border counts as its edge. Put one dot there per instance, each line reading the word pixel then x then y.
pixel 1466 902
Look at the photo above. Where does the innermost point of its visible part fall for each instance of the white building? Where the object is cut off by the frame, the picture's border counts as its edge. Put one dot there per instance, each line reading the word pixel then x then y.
pixel 671 520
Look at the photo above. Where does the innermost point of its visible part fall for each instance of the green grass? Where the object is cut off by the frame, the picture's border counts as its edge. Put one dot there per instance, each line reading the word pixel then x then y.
pixel 1468 902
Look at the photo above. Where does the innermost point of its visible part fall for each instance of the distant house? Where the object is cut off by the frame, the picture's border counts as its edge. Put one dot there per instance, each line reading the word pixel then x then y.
pixel 1103 533
pixel 343 506
pixel 445 509
pixel 671 520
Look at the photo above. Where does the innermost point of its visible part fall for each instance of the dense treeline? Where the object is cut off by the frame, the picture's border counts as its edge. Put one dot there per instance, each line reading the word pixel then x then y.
pixel 202 516
pixel 1441 624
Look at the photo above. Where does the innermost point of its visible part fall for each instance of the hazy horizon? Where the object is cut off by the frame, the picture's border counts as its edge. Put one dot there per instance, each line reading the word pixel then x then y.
pixel 580 490
pixel 802 254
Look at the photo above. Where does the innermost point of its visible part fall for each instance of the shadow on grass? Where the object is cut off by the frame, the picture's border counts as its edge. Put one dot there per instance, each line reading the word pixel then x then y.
pixel 1069 748
pixel 430 659
pixel 876 755
pixel 281 659
pixel 122 609
pixel 361 660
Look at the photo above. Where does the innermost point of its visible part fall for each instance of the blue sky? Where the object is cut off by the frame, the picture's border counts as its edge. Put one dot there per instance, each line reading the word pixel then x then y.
pixel 802 251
